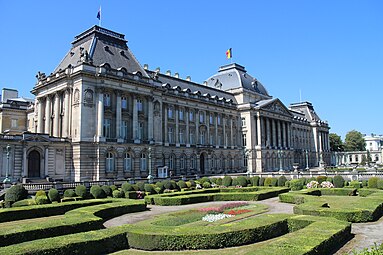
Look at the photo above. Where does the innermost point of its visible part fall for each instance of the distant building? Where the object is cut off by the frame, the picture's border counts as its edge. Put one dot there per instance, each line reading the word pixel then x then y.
pixel 101 115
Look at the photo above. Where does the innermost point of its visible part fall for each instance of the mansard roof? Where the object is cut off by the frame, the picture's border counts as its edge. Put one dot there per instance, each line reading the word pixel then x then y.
pixel 235 76
pixel 99 46
pixel 307 110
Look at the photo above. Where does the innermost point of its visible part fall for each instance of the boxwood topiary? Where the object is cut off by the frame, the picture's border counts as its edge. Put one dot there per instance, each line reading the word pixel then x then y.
pixel 261 181
pixel 53 195
pixel 364 183
pixel 118 193
pixel 204 179
pixel 149 188
pixel 338 181
pixel 355 184
pixel 329 179
pixel 167 184
pixel 127 187
pixel 234 182
pixel 174 184
pixel 15 193
pixel 218 181
pixel 113 187
pixel 193 184
pixel 227 180
pixel 254 180
pixel 379 184
pixel 69 193
pixel 42 199
pixel 108 191
pixel 241 181
pixel 141 186
pixel 373 182
pixel 40 193
pixel 296 184
pixel 81 191
pixel 281 181
pixel 206 185
pixel 181 184
pixel 321 178
pixel 97 192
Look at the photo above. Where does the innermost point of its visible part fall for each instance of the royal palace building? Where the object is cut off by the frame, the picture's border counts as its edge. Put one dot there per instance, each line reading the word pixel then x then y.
pixel 101 115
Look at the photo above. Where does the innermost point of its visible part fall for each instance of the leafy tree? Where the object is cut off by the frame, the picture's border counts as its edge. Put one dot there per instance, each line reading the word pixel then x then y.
pixel 336 143
pixel 354 141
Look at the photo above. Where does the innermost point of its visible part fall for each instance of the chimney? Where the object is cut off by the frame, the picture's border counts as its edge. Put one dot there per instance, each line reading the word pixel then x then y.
pixel 158 70
pixel 168 72
pixel 9 93
pixel 146 66
pixel 177 75
pixel 205 83
pixel 188 78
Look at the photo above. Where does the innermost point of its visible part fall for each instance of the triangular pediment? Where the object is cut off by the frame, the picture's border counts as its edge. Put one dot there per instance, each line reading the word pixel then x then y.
pixel 276 106
pixel 36 138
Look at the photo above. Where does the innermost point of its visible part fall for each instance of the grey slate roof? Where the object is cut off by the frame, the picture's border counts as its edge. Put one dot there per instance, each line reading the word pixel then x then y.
pixel 102 46
pixel 235 76
pixel 307 109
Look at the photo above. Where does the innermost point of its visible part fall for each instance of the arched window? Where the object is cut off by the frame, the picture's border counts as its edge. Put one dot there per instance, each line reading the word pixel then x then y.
pixel 109 164
pixel 143 164
pixel 193 162
pixel 171 162
pixel 182 162
pixel 127 162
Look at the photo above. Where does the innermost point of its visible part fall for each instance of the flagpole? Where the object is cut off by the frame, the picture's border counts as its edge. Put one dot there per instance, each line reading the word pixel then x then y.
pixel 99 21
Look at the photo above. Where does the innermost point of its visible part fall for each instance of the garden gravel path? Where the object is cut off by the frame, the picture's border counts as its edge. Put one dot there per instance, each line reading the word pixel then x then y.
pixel 274 207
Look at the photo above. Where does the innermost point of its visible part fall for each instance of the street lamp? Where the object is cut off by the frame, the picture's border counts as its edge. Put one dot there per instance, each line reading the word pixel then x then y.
pixel 307 160
pixel 150 177
pixel 247 153
pixel 7 179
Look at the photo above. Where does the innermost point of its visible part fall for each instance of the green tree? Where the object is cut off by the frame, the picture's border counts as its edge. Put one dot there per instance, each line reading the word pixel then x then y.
pixel 354 141
pixel 336 143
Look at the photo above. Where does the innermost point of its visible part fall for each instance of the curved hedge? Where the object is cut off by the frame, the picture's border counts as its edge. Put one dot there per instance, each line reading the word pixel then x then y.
pixel 333 203
pixel 225 194
pixel 74 221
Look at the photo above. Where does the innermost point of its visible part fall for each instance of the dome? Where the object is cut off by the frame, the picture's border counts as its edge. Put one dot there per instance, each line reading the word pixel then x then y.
pixel 235 76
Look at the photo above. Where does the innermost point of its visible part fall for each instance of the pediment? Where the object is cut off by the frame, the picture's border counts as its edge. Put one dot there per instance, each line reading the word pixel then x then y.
pixel 276 107
pixel 36 138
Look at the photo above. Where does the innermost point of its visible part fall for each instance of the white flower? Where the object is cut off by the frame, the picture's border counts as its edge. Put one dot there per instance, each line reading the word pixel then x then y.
pixel 312 185
pixel 327 185
pixel 215 217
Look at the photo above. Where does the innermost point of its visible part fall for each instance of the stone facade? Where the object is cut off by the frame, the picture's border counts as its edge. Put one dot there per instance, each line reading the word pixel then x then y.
pixel 116 119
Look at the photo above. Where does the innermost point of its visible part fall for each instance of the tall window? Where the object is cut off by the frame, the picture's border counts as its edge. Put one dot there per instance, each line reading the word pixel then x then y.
pixel 143 162
pixel 170 135
pixel 214 162
pixel 140 130
pixel 170 113
pixel 127 162
pixel 109 162
pixel 243 122
pixel 182 162
pixel 219 140
pixel 124 103
pixel 139 105
pixel 356 158
pixel 227 141
pixel 107 129
pixel 211 139
pixel 191 115
pixel 201 117
pixel 211 119
pixel 107 100
pixel 191 137
pixel 171 162
pixel 245 161
pixel 202 137
pixel 244 140
pixel 181 114
pixel 218 120
pixel 193 162
pixel 181 136
pixel 124 129
pixel 13 123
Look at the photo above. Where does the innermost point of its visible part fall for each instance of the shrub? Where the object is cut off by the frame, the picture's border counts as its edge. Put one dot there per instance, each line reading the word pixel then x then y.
pixel 193 184
pixel 149 188
pixel 373 182
pixel 329 179
pixel 97 192
pixel 346 183
pixel 204 179
pixel 40 193
pixel 69 193
pixel 15 193
pixel 271 182
pixel 118 193
pixel 227 180
pixel 241 181
pixel 321 178
pixel 338 181
pixel 108 191
pixel 182 184
pixel 53 195
pixel 141 186
pixel 24 202
pixel 254 180
pixel 174 184
pixel 281 181
pixel 234 182
pixel 355 184
pixel 379 184
pixel 167 184
pixel 219 181
pixel 127 187
pixel 42 199
pixel 261 181
pixel 81 191
pixel 287 184
pixel 113 187
pixel 296 184
pixel 135 187
pixel 364 183
pixel 206 185
pixel 188 184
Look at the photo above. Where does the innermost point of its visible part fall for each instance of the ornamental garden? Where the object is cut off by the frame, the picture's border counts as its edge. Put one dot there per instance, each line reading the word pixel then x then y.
pixel 73 222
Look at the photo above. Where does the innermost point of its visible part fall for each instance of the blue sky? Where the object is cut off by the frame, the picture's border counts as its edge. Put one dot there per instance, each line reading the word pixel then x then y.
pixel 331 51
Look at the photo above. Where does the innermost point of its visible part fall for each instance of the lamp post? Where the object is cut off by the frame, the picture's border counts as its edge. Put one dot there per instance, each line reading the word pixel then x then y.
pixel 280 160
pixel 307 160
pixel 247 153
pixel 150 176
pixel 7 179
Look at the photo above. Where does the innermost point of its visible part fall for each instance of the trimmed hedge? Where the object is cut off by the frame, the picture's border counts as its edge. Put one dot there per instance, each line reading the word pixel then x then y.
pixel 74 221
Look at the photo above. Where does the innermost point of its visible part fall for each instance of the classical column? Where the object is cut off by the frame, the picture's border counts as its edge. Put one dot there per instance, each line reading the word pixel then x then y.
pixel 216 130
pixel 289 135
pixel 273 136
pixel 56 128
pixel 176 112
pixel 135 119
pixel 150 120
pixel 208 129
pixel 196 128
pixel 25 161
pixel 40 127
pixel 166 125
pixel 46 160
pixel 100 115
pixel 70 112
pixel 187 127
pixel 231 133
pixel 47 129
pixel 224 130
pixel 284 134
pixel 259 131
pixel 65 131
pixel 268 131
pixel 118 115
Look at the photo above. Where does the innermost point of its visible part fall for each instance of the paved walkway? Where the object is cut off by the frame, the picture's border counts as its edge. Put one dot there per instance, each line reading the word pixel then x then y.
pixel 366 234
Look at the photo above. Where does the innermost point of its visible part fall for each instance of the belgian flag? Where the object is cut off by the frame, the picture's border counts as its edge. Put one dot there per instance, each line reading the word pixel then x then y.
pixel 229 54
